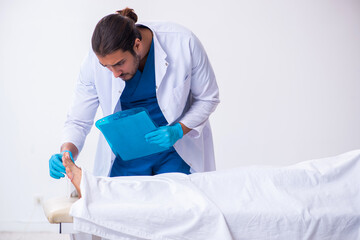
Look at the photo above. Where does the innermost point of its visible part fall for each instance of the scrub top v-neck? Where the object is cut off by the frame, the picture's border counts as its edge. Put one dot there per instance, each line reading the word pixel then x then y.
pixel 140 91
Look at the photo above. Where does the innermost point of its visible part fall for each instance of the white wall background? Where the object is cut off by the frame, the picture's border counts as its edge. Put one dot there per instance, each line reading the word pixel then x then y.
pixel 288 72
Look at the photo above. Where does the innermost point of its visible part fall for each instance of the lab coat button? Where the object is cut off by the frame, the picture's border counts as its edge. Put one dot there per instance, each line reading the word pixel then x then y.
pixel 166 64
pixel 119 91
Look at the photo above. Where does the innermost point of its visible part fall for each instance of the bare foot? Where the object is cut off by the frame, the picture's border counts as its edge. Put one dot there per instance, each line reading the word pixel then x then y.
pixel 73 172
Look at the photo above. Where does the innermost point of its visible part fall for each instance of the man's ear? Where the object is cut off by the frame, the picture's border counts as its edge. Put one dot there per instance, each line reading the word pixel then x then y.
pixel 137 45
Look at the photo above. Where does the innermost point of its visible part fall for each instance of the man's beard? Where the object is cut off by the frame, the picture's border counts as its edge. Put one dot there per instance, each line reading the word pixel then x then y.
pixel 130 75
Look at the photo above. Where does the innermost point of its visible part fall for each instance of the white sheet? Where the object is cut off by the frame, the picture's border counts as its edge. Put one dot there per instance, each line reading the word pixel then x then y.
pixel 317 199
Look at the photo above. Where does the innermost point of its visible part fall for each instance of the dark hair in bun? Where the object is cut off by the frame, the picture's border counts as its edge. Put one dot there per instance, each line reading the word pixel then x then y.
pixel 115 31
pixel 128 12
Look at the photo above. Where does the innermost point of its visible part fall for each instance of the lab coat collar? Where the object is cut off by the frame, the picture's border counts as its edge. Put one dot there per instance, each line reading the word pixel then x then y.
pixel 161 64
pixel 118 86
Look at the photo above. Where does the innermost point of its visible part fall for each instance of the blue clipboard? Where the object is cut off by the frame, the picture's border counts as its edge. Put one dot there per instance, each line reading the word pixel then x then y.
pixel 125 133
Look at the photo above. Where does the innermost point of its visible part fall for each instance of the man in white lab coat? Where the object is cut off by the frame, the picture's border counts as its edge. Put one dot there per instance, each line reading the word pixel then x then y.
pixel 184 85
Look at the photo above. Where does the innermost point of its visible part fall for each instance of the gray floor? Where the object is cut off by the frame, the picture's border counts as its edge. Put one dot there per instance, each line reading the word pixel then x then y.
pixel 33 236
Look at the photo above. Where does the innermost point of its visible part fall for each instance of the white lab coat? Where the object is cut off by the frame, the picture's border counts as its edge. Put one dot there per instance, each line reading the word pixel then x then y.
pixel 186 90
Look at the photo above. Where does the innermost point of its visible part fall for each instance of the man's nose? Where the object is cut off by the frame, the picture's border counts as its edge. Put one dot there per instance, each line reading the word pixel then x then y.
pixel 116 71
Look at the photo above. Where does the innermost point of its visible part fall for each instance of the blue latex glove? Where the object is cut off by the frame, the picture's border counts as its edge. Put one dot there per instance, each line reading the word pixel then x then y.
pixel 56 167
pixel 165 136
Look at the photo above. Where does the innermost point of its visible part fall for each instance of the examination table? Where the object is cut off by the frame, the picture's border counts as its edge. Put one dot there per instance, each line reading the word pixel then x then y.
pixel 57 212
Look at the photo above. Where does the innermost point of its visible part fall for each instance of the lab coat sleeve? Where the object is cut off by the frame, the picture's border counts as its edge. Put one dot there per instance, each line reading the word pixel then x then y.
pixel 81 115
pixel 204 90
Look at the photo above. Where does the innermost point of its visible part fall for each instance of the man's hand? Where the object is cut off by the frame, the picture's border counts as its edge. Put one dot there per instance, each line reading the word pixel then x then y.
pixel 165 136
pixel 56 166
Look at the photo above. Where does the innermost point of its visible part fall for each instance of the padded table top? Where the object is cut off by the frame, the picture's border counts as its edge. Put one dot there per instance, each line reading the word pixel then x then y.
pixel 57 209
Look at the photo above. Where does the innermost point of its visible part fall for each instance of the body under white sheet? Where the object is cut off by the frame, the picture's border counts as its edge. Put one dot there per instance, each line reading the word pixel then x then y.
pixel 316 199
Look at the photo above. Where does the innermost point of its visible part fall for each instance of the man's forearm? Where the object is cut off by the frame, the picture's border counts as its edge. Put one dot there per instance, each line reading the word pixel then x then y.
pixel 185 128
pixel 70 147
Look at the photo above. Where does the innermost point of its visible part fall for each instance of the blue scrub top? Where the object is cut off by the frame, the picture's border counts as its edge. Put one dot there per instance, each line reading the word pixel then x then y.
pixel 140 91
